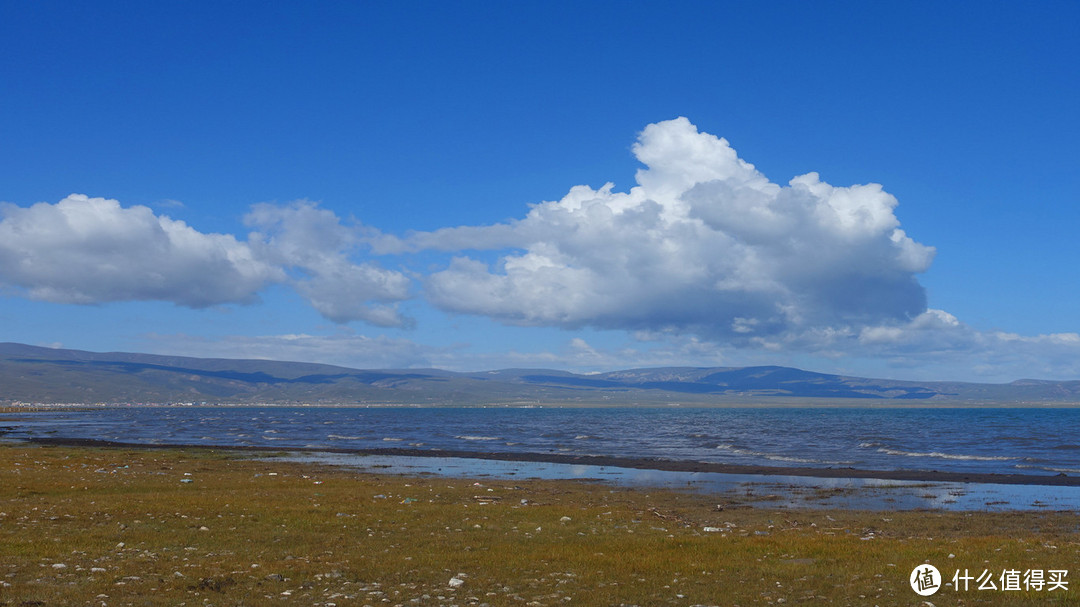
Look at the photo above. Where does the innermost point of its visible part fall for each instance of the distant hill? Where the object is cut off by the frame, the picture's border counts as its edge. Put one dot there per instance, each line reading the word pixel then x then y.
pixel 47 375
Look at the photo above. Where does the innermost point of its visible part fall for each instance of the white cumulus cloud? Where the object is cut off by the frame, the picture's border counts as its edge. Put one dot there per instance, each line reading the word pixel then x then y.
pixel 85 250
pixel 314 242
pixel 703 244
pixel 92 250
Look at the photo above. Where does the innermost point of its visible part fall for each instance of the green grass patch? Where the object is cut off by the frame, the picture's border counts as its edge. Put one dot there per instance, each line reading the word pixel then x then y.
pixel 83 526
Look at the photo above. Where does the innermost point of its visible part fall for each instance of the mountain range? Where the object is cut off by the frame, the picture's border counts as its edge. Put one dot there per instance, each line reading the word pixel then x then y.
pixel 33 374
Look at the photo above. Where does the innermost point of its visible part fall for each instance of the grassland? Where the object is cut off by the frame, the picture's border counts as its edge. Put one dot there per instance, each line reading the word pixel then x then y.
pixel 103 527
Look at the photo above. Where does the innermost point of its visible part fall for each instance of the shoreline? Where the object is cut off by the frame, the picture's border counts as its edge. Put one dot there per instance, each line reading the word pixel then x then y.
pixel 936 476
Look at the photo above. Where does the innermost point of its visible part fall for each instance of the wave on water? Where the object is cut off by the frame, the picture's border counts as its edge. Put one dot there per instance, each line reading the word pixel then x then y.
pixel 340 437
pixel 777 458
pixel 940 455
pixel 1049 469
pixel 586 437
pixel 467 437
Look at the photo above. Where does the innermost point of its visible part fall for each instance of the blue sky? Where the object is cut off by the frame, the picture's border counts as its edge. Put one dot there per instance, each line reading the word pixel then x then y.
pixel 395 184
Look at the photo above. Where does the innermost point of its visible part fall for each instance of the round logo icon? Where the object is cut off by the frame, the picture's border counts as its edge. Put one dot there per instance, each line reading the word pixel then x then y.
pixel 925 580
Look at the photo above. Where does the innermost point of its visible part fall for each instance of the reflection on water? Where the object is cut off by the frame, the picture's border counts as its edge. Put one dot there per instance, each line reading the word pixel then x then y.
pixel 755 489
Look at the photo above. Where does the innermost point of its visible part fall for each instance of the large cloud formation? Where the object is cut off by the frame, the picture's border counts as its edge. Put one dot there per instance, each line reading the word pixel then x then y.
pixel 704 244
pixel 702 258
pixel 86 250
pixel 91 250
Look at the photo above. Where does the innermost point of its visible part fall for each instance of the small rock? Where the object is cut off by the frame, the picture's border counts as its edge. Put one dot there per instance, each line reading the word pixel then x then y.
pixel 59 566
pixel 565 519
pixel 455 582
pixel 711 529
pixel 204 528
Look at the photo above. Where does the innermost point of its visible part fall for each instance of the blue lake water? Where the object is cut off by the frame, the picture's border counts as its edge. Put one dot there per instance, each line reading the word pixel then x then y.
pixel 1014 441
pixel 1023 441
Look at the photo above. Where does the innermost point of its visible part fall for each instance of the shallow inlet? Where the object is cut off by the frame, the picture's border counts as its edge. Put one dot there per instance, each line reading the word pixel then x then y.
pixel 753 489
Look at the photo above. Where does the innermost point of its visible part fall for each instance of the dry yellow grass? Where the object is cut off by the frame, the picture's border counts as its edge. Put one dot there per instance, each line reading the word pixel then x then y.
pixel 121 527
